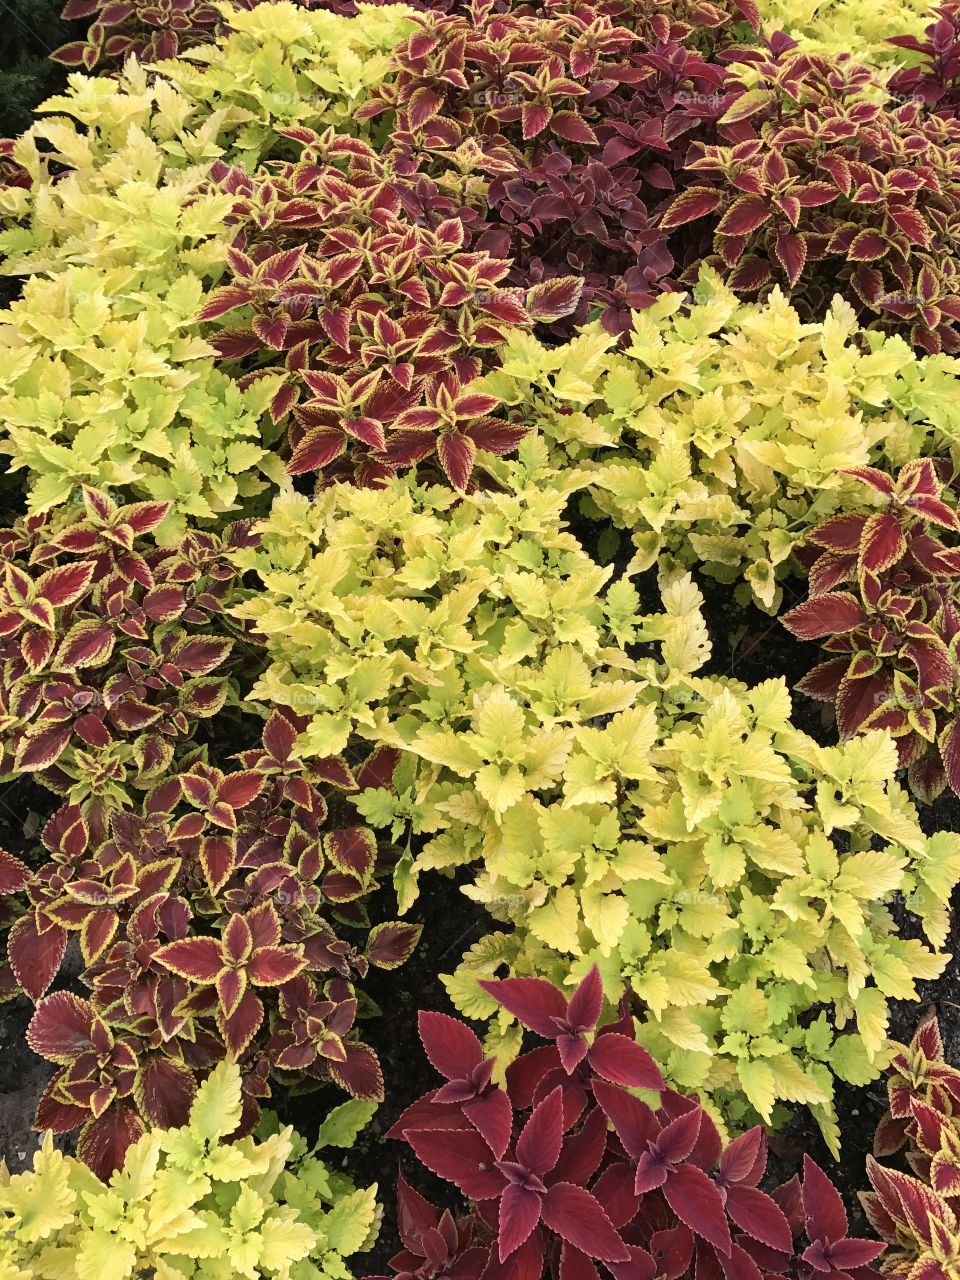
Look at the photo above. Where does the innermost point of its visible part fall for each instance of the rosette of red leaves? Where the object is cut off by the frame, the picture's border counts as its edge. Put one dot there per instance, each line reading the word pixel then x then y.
pixel 364 281
pixel 821 188
pixel 917 1215
pixel 566 1168
pixel 895 625
pixel 108 645
pixel 206 924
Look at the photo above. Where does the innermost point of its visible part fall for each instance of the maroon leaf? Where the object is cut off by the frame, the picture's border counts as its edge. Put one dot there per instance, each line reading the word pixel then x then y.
pixel 826 1218
pixel 457 454
pixel 359 1073
pixel 538 1147
pixel 461 1157
pixel 452 1048
pixel 697 1202
pixel 578 1217
pixel 35 957
pixel 164 1091
pixel 199 959
pixel 623 1061
pixel 532 1001
pixel 833 614
pixel 519 1214
pixel 695 202
pixel 760 1217
pixel 104 1142
pixel 391 944
pixel 61 1027
pixel 882 542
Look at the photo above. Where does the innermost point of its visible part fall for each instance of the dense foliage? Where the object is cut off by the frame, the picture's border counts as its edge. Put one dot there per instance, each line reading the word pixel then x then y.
pixel 406 408
pixel 191 1201
pixel 567 1167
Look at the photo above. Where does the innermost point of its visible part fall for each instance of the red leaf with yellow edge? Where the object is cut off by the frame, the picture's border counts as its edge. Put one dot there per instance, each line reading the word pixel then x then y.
pixel 197 959
pixel 62 1027
pixel 835 613
pixel 104 1142
pixel 882 542
pixel 34 956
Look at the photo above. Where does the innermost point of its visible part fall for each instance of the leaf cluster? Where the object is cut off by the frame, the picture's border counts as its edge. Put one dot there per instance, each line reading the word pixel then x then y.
pixel 823 182
pixel 368 282
pixel 567 1167
pixel 208 925
pixel 720 432
pixel 883 595
pixel 579 121
pixel 112 650
pixel 916 1213
pixel 192 1200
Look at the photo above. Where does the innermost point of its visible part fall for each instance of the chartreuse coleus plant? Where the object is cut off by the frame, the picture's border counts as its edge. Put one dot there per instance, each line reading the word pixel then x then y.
pixel 193 1201
pixel 718 435
pixel 843 26
pixel 675 830
pixel 388 613
pixel 106 379
pixel 281 65
pixel 112 650
pixel 717 864
pixel 209 922
pixel 585 1159
pixel 918 1214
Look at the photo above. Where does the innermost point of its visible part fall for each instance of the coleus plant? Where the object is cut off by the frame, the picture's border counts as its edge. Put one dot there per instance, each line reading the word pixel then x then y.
pixel 918 1214
pixel 109 645
pixel 362 278
pixel 146 29
pixel 206 924
pixel 719 431
pixel 581 120
pixel 567 1168
pixel 193 1199
pixel 884 595
pixel 821 185
pixel 932 74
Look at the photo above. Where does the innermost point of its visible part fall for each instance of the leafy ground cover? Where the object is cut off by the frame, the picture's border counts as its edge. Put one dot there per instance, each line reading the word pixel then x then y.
pixel 480 643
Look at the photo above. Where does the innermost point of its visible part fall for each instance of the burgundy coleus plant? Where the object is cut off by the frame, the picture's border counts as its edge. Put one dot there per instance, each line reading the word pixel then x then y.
pixel 934 74
pixel 361 277
pixel 150 30
pixel 435 1243
pixel 883 594
pixel 108 645
pixel 247 955
pixel 817 185
pixel 94 1085
pixel 567 1168
pixel 917 1215
pixel 918 1075
pixel 210 924
pixel 581 120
